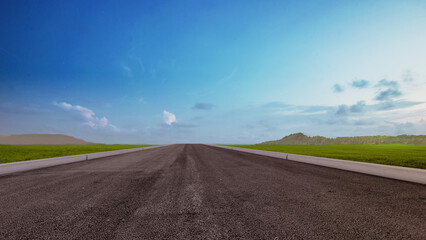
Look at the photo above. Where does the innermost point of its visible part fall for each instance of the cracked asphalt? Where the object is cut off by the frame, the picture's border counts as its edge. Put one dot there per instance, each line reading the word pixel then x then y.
pixel 204 192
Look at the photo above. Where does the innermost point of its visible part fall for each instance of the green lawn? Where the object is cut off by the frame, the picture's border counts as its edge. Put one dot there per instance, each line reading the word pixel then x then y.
pixel 391 154
pixel 14 153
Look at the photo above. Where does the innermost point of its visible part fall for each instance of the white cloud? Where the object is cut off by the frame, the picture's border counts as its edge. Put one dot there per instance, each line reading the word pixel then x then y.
pixel 87 115
pixel 169 118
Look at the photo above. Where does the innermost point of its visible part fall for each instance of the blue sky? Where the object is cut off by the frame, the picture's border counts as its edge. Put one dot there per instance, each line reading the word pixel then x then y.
pixel 212 71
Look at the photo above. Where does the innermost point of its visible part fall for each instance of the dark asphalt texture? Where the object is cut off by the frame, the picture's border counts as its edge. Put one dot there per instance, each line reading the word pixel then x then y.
pixel 205 192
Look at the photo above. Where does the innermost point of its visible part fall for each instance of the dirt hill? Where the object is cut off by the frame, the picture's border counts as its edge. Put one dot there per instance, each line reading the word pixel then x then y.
pixel 42 139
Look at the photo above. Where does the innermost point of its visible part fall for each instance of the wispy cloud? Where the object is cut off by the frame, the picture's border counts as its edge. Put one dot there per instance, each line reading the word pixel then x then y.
pixel 287 109
pixel 169 117
pixel 390 105
pixel 215 85
pixel 387 83
pixel 9 54
pixel 142 100
pixel 337 88
pixel 85 114
pixel 140 63
pixel 203 106
pixel 127 70
pixel 360 83
pixel 276 105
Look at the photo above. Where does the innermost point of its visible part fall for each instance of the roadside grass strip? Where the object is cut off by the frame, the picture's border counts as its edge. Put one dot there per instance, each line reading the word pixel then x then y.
pixel 16 153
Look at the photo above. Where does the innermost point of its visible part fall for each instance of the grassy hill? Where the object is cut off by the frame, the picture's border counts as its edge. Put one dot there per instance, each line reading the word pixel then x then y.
pixel 302 139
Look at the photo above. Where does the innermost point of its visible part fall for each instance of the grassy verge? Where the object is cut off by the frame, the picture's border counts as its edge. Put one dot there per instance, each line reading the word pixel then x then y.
pixel 13 153
pixel 390 154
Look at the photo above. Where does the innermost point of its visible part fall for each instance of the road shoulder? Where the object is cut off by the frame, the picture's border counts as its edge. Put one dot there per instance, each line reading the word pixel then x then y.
pixel 394 172
pixel 14 167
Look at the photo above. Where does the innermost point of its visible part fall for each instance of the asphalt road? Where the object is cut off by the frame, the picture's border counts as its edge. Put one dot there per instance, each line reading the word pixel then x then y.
pixel 204 192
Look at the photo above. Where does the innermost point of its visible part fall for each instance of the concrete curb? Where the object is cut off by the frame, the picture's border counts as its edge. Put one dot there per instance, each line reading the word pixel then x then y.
pixel 414 175
pixel 8 168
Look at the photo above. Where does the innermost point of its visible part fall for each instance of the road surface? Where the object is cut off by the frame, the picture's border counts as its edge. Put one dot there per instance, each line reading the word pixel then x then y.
pixel 205 192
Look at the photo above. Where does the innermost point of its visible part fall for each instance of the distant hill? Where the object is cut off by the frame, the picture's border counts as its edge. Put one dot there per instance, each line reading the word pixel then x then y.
pixel 302 139
pixel 42 139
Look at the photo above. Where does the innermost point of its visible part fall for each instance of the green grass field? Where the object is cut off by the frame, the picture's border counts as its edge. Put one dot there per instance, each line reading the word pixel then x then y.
pixel 391 154
pixel 14 153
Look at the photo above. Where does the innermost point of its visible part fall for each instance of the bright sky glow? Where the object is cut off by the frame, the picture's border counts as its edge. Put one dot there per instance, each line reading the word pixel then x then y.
pixel 212 71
